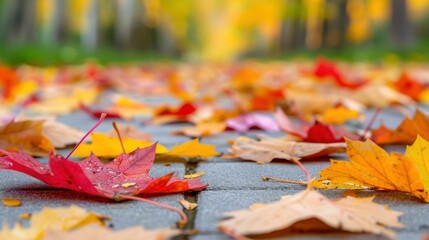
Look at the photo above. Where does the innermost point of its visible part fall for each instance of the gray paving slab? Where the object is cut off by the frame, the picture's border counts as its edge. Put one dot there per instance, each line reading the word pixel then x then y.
pixel 123 214
pixel 247 175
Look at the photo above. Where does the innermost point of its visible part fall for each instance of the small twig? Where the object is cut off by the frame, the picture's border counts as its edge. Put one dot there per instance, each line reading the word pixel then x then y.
pixel 265 178
pixel 103 115
pixel 158 204
pixel 115 126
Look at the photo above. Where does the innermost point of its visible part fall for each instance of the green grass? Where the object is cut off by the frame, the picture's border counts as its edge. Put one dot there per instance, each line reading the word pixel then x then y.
pixel 41 55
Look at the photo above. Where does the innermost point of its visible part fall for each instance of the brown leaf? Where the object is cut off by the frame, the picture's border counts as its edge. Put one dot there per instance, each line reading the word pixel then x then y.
pixel 268 149
pixel 130 131
pixel 311 211
pixel 58 133
pixel 91 232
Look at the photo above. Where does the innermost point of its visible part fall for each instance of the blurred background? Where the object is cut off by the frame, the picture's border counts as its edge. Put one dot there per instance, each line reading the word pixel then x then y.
pixel 71 31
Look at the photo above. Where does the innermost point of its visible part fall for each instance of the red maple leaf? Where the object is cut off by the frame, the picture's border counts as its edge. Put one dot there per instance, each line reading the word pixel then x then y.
pixel 127 174
pixel 325 68
pixel 182 112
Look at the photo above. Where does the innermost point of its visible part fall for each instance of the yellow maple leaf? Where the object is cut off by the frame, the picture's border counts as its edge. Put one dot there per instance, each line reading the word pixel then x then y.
pixel 60 219
pixel 371 167
pixel 338 115
pixel 105 146
pixel 193 148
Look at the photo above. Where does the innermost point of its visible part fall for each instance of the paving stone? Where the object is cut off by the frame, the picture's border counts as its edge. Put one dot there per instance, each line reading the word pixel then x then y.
pixel 247 175
pixel 123 214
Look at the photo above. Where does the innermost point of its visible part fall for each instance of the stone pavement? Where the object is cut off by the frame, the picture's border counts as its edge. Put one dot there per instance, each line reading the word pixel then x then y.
pixel 233 185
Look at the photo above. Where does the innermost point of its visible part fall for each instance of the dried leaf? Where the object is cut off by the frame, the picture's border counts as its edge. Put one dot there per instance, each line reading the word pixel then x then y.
pixel 11 202
pixel 60 219
pixel 268 149
pixel 130 131
pixel 58 133
pixel 27 136
pixel 311 211
pixel 194 175
pixel 188 205
pixel 338 115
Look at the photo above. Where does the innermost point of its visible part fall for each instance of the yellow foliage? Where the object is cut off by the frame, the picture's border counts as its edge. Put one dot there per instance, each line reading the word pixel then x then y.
pixel 193 148
pixel 61 219
pixel 105 146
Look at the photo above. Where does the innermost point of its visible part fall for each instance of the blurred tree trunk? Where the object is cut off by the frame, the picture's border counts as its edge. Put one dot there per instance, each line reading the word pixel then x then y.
pixel 401 30
pixel 124 22
pixel 90 26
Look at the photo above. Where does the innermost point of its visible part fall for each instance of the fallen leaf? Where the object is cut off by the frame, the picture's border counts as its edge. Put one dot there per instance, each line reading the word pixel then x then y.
pixel 27 136
pixel 371 167
pixel 96 113
pixel 60 219
pixel 188 205
pixel 193 148
pixel 194 175
pixel 406 132
pixel 167 114
pixel 130 131
pixel 101 140
pixel 95 178
pixel 11 202
pixel 268 149
pixel 316 132
pixel 129 108
pixel 327 69
pixel 25 216
pixel 311 211
pixel 245 122
pixel 62 103
pixel 91 232
pixel 58 133
pixel 202 129
pixel 409 86
pixel 338 115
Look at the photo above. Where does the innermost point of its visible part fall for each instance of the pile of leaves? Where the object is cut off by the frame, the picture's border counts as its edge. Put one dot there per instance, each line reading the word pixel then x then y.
pixel 315 109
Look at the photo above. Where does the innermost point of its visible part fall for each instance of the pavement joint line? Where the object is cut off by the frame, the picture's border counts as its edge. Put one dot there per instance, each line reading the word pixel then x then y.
pixel 190 196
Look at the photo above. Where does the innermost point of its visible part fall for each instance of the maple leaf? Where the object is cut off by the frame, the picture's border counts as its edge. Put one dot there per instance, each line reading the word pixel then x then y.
pixel 409 86
pixel 192 149
pixel 60 219
pixel 311 211
pixel 371 167
pixel 325 68
pixel 316 132
pixel 245 122
pixel 338 115
pixel 165 114
pixel 130 131
pixel 268 149
pixel 95 178
pixel 26 135
pixel 91 232
pixel 59 134
pixel 101 140
pixel 406 132
pixel 202 129
pixel 97 113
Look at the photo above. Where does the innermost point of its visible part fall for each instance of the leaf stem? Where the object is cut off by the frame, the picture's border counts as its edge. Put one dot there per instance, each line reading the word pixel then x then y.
pixel 374 116
pixel 103 115
pixel 158 204
pixel 115 126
